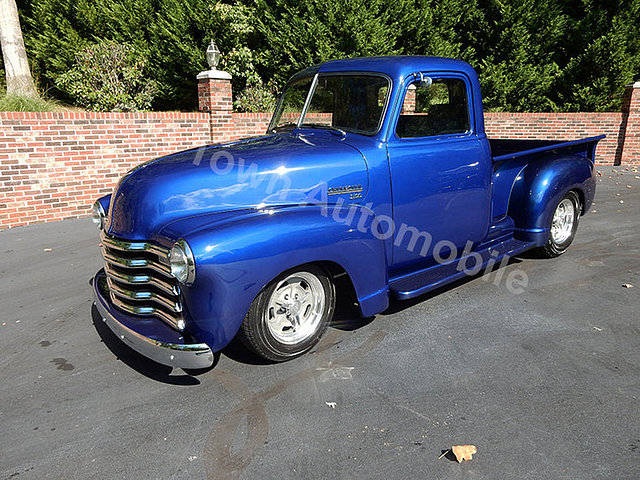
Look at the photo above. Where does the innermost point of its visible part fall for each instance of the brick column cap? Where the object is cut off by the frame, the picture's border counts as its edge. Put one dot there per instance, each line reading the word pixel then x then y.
pixel 214 75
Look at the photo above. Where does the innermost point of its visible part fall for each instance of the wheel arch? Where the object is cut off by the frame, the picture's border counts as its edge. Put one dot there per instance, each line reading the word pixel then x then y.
pixel 581 199
pixel 334 270
pixel 541 186
pixel 345 289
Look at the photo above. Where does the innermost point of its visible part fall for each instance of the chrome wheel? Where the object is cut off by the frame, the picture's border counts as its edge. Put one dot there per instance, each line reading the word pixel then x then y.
pixel 288 317
pixel 295 308
pixel 563 226
pixel 562 223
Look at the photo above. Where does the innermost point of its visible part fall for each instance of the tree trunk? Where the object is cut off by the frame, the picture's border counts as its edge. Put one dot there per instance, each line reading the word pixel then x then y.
pixel 14 55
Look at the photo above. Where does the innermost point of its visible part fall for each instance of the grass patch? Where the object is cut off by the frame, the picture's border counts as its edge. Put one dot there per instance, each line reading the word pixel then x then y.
pixel 17 103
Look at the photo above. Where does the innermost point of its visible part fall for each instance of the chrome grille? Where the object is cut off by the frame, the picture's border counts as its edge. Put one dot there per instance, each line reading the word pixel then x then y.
pixel 140 281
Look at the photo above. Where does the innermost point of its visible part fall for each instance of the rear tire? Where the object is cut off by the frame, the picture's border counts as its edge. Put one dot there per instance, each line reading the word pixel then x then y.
pixel 564 225
pixel 290 315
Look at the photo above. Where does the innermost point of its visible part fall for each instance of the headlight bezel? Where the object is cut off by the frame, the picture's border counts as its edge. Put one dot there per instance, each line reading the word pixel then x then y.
pixel 182 262
pixel 98 215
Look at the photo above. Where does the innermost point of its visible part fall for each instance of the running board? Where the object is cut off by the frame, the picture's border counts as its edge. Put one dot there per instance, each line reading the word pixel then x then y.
pixel 413 284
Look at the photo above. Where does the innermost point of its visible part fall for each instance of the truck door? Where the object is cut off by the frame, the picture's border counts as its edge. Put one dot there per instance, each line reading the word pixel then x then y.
pixel 440 173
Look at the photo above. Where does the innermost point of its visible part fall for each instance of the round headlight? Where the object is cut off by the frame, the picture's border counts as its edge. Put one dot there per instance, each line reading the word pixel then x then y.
pixel 183 266
pixel 98 215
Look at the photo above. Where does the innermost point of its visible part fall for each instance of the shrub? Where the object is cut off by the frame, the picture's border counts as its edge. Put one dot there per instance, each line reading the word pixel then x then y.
pixel 108 76
pixel 256 97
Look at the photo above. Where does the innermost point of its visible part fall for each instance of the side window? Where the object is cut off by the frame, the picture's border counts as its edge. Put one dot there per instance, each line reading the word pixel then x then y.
pixel 439 109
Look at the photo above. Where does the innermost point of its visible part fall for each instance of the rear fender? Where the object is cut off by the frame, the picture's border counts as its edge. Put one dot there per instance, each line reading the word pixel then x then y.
pixel 236 258
pixel 540 186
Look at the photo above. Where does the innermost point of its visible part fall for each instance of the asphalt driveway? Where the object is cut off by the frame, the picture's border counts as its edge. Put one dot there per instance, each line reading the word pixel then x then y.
pixel 545 383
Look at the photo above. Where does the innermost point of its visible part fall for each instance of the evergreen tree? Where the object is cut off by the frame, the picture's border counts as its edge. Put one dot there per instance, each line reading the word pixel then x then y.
pixel 59 29
pixel 600 55
pixel 295 35
pixel 531 55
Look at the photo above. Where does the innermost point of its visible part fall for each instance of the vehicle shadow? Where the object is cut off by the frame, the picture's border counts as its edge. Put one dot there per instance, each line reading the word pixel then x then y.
pixel 141 364
pixel 347 315
pixel 533 254
pixel 345 318
pixel 237 352
pixel 396 305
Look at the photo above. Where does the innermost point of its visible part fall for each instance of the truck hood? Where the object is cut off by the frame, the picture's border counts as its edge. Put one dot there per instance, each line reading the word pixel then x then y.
pixel 276 170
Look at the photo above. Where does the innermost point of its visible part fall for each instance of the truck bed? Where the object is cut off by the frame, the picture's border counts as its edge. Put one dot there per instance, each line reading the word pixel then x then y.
pixel 507 149
pixel 511 156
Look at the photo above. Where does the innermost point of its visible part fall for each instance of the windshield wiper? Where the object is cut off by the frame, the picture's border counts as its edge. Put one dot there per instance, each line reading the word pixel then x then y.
pixel 325 126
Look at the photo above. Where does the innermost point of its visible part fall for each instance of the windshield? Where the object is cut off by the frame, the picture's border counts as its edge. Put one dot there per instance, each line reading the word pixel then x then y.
pixel 351 103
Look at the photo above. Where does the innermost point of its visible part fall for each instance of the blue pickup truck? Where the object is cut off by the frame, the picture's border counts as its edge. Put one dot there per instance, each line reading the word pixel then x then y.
pixel 374 170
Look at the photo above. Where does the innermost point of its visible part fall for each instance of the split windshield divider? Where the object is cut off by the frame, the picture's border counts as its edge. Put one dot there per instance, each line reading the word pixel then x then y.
pixel 308 100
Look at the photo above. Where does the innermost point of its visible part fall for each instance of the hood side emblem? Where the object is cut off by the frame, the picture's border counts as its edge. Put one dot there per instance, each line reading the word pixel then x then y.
pixel 345 189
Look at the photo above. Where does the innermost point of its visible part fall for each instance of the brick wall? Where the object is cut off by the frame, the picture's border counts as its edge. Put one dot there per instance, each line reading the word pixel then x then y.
pixel 250 124
pixel 545 126
pixel 54 165
pixel 563 126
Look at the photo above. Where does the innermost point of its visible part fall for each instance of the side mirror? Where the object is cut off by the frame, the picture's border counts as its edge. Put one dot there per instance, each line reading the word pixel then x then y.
pixel 425 82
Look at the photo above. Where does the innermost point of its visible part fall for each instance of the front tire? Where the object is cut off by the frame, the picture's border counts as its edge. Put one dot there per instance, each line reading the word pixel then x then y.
pixel 290 315
pixel 564 225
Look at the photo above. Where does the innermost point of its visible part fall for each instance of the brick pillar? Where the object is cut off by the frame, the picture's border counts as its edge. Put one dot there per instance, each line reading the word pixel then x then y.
pixel 214 97
pixel 409 105
pixel 631 125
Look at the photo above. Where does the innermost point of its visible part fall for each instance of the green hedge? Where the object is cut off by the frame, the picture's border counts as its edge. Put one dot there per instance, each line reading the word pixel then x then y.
pixel 532 55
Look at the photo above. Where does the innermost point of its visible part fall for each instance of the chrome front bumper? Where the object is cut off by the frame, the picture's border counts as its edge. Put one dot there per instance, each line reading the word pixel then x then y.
pixel 194 355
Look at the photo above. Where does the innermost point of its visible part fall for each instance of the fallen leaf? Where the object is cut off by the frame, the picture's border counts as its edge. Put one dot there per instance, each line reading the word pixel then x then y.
pixel 627 285
pixel 331 404
pixel 464 452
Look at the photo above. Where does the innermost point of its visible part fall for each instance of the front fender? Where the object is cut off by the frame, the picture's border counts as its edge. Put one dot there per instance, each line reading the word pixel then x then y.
pixel 539 188
pixel 105 201
pixel 237 255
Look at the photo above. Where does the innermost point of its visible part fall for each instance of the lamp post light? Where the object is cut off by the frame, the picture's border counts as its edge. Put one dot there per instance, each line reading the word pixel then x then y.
pixel 213 55
pixel 214 87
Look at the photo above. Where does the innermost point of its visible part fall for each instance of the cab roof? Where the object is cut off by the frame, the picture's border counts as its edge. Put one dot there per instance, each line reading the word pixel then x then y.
pixel 396 66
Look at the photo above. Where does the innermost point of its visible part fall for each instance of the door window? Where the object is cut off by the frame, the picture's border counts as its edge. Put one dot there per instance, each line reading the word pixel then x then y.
pixel 439 109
